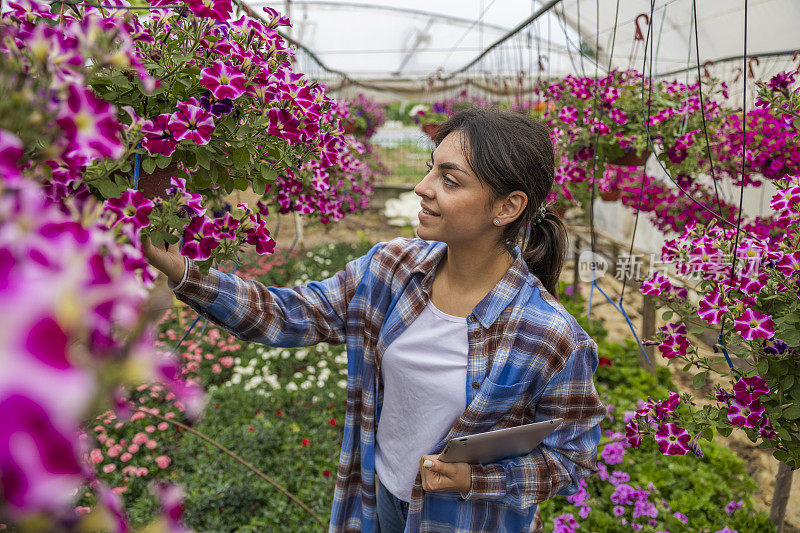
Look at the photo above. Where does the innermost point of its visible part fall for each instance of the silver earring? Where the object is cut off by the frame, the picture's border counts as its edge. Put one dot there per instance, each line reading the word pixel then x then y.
pixel 497 222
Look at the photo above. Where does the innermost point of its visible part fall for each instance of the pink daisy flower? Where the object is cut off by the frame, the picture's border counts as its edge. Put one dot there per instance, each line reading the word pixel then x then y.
pixel 754 325
pixel 672 439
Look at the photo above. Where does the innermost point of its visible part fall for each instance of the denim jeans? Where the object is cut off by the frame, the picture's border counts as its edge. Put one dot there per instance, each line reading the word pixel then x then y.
pixel 392 511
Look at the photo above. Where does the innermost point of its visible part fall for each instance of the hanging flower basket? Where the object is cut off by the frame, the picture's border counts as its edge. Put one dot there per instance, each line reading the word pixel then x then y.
pixel 611 195
pixel 349 127
pixel 430 128
pixel 156 183
pixel 631 159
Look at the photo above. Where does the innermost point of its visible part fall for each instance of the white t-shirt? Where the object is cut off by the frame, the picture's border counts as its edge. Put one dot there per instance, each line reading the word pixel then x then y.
pixel 424 374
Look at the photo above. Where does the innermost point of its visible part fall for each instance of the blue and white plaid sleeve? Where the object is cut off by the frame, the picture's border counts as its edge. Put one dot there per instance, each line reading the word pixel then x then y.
pixel 276 316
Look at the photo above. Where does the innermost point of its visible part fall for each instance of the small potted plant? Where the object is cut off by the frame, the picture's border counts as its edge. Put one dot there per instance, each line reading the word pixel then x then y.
pixel 366 116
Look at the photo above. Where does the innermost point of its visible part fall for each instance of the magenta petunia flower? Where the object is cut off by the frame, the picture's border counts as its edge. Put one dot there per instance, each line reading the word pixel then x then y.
pixel 226 226
pixel 191 122
pixel 158 137
pixel 131 207
pixel 732 506
pixel 284 125
pixel 568 114
pixel 90 126
pixel 673 346
pixel 224 81
pixel 789 265
pixel 632 434
pixel 656 285
pixel 191 204
pixel 260 238
pixel 787 199
pixel 712 307
pixel 672 439
pixel 746 416
pixel 10 154
pixel 754 325
pixel 749 390
pixel 216 9
pixel 200 237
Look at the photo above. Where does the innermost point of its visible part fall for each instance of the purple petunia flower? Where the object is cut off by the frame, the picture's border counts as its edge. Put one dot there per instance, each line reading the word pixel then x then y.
pixel 712 307
pixel 191 122
pixel 200 237
pixel 224 81
pixel 672 439
pixel 754 325
pixel 10 154
pixel 90 126
pixel 158 137
pixel 216 9
pixel 216 107
pixel 781 81
pixel 774 346
pixel 745 416
pixel 673 346
pixel 284 125
pixel 131 207
pixel 618 510
pixel 749 390
pixel 731 507
pixel 226 226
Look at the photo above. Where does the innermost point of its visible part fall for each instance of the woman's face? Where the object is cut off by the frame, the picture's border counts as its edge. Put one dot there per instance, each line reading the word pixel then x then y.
pixel 454 194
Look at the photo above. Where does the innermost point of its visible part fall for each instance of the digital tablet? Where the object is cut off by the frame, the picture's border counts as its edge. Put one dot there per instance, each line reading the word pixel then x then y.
pixel 489 447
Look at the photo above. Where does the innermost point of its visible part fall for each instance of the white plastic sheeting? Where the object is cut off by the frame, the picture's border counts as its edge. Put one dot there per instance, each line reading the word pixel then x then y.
pixel 416 42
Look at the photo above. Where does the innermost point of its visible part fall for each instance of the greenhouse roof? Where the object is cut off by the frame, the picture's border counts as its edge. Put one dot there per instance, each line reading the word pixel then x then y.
pixel 413 42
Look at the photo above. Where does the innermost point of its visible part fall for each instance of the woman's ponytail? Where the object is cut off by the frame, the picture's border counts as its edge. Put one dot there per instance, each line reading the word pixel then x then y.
pixel 543 249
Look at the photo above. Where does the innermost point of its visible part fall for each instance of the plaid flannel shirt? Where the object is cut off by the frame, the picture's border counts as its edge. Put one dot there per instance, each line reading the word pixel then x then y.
pixel 529 361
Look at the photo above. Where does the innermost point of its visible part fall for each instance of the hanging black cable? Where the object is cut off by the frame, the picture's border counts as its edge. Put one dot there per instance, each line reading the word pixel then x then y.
pixel 703 107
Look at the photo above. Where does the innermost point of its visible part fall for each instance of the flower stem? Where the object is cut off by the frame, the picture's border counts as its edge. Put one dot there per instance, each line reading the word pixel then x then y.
pixel 237 458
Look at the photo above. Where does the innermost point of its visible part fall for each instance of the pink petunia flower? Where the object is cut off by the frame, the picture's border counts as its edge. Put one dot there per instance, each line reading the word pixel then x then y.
pixel 131 207
pixel 200 237
pixel 224 81
pixel 712 307
pixel 754 325
pixel 260 238
pixel 158 137
pixel 216 9
pixel 749 390
pixel 672 439
pixel 90 126
pixel 10 154
pixel 226 226
pixel 191 122
pixel 673 346
pixel 789 265
pixel 747 416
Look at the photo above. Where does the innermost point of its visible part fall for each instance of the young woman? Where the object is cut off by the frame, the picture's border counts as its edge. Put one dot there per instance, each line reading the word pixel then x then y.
pixel 455 333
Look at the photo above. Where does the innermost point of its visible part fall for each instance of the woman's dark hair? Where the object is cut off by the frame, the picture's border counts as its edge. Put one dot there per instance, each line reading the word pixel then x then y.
pixel 513 152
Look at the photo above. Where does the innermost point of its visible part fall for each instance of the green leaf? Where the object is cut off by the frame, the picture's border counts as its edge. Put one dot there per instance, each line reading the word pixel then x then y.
pixel 163 161
pixel 699 380
pixel 780 455
pixel 203 158
pixel 792 412
pixel 259 187
pixel 787 381
pixel 268 173
pixel 148 165
pixel 228 186
pixel 667 315
pixel 725 431
pixel 107 188
pixel 240 184
pixel 240 157
pixel 763 367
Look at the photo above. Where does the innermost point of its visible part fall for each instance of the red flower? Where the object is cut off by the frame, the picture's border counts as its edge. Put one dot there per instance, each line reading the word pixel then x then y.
pixel 333 421
pixel 305 442
pixel 327 473
pixel 251 428
pixel 605 361
pixel 279 413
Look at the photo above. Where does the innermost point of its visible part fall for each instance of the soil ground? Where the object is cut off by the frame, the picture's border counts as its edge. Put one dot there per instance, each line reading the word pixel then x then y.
pixel 373 226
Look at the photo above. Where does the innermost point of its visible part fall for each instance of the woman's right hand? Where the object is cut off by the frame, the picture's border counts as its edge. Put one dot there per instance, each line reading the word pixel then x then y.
pixel 170 262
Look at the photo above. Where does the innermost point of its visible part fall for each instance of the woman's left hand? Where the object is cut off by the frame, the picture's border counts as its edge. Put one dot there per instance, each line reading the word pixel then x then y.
pixel 440 476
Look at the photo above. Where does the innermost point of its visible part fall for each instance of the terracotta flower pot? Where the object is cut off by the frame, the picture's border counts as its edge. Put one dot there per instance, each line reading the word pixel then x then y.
pixel 611 195
pixel 155 184
pixel 631 159
pixel 430 128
